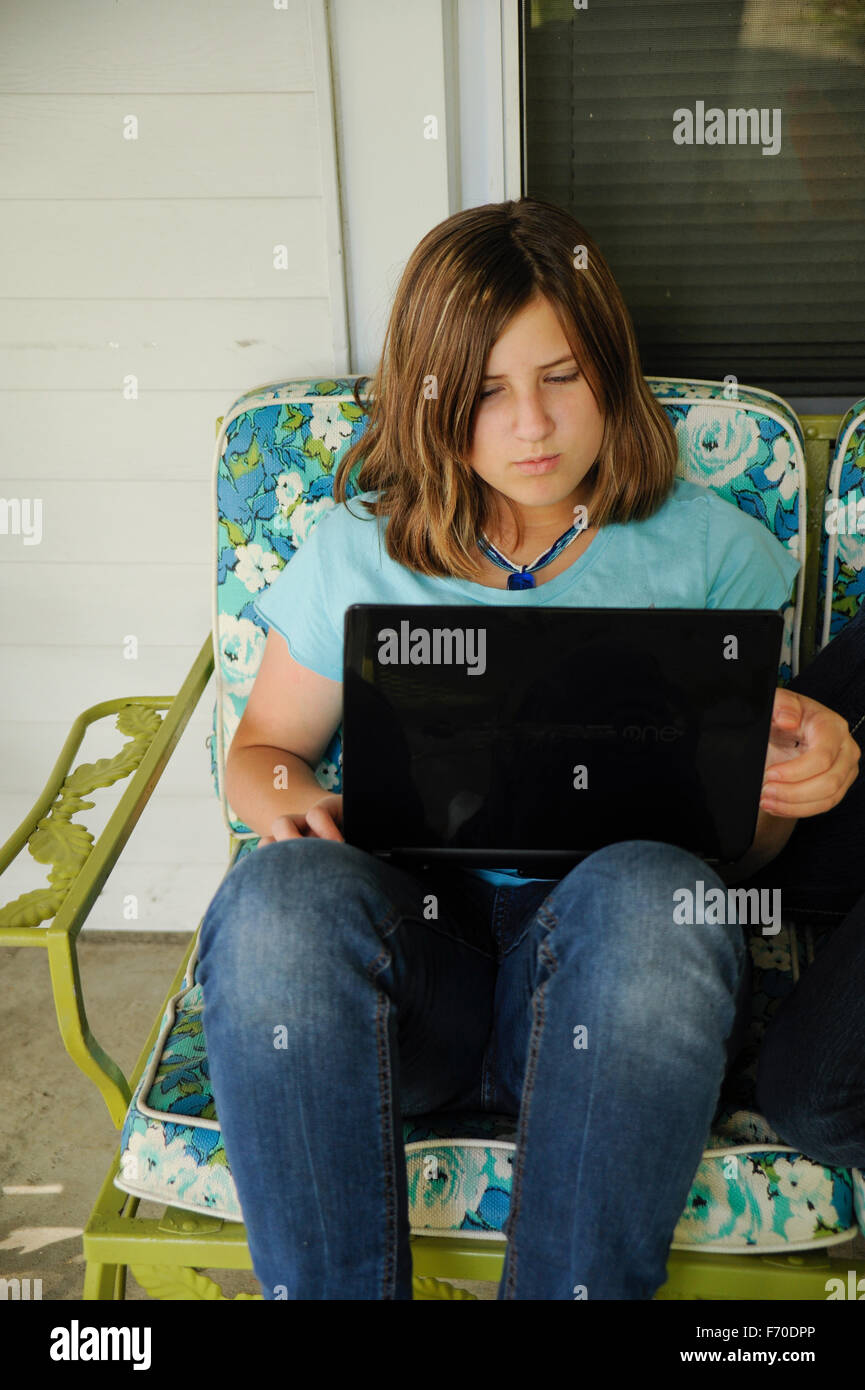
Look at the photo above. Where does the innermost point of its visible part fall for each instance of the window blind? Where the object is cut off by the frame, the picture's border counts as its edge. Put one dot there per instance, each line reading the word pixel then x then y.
pixel 731 261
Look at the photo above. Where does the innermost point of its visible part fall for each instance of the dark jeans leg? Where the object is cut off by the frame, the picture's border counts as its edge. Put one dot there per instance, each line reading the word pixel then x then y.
pixel 811 1068
pixel 821 870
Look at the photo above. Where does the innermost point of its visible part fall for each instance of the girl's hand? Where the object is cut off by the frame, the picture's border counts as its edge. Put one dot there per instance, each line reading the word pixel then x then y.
pixel 812 759
pixel 323 821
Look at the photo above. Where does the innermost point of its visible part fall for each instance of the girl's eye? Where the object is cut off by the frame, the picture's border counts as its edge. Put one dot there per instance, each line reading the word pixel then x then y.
pixel 493 389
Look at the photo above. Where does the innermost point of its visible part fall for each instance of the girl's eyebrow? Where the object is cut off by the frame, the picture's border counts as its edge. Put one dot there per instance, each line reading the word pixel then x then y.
pixel 558 362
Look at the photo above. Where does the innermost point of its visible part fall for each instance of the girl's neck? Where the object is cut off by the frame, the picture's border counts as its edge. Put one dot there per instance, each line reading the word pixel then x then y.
pixel 541 526
pixel 537 535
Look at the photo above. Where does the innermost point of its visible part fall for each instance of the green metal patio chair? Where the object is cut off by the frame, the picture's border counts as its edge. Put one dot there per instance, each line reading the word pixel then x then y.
pixel 275 454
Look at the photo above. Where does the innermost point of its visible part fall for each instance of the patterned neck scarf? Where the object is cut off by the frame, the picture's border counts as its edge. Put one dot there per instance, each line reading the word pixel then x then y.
pixel 522 576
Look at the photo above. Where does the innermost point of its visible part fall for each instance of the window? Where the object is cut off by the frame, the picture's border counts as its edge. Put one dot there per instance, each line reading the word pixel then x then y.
pixel 648 120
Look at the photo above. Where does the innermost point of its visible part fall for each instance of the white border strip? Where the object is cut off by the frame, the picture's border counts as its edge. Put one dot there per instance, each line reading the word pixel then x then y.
pixel 784 1247
pixel 423 1146
pixel 707 1247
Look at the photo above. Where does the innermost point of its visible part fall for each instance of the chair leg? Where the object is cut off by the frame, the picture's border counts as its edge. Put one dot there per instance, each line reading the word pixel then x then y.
pixel 105 1283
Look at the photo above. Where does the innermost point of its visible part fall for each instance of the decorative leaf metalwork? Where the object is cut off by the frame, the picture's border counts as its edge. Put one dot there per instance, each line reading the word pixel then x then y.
pixel 102 773
pixel 57 840
pixel 139 721
pixel 173 1283
pixel 31 908
pixel 423 1288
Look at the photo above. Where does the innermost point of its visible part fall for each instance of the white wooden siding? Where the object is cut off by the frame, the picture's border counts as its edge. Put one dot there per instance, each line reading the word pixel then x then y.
pixel 154 258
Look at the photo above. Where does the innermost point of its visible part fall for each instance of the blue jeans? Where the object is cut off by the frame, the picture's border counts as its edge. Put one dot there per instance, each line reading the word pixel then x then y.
pixel 340 996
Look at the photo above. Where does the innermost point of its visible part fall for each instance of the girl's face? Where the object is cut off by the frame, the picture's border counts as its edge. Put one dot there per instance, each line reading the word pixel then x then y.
pixel 538 404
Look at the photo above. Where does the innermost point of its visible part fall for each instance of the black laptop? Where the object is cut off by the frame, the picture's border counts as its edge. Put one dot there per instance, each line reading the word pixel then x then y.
pixel 489 737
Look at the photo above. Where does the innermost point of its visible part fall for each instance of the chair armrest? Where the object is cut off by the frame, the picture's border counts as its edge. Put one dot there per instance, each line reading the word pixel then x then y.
pixel 80 868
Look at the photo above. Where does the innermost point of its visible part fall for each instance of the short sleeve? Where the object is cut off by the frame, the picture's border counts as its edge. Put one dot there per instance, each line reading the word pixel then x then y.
pixel 746 566
pixel 296 604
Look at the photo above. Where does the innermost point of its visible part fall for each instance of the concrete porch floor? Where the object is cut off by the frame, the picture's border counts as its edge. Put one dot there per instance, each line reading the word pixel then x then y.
pixel 55 1131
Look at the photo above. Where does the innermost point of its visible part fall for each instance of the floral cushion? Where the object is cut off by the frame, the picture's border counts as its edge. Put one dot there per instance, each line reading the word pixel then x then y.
pixel 277 450
pixel 842 553
pixel 751 1191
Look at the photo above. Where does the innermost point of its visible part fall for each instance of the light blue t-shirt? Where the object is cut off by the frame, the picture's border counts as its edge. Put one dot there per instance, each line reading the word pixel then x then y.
pixel 696 551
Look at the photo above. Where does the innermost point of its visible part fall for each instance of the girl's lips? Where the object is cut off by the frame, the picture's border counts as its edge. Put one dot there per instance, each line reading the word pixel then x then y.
pixel 545 465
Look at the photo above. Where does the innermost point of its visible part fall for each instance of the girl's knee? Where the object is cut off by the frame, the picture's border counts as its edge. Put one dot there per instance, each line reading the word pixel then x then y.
pixel 655 896
pixel 294 908
pixel 294 864
pixel 290 879
pixel 645 870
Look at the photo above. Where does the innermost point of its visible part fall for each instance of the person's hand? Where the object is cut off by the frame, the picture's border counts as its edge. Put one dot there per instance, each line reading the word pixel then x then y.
pixel 323 821
pixel 812 759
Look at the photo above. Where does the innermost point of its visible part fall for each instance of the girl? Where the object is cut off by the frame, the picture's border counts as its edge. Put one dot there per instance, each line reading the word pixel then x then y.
pixel 509 396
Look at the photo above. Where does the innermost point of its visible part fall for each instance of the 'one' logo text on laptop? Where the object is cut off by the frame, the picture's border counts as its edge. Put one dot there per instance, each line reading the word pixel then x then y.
pixel 438 646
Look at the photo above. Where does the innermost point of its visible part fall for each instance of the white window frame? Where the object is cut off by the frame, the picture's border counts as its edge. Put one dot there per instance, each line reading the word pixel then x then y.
pixel 483 70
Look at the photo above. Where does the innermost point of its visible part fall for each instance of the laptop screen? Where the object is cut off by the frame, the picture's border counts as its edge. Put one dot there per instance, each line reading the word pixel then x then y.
pixel 493 736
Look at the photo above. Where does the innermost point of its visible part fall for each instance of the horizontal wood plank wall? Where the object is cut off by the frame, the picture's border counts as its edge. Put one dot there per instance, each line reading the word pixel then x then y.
pixel 152 258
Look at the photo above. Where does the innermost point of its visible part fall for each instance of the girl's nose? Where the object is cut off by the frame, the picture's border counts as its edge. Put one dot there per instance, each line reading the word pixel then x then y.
pixel 532 422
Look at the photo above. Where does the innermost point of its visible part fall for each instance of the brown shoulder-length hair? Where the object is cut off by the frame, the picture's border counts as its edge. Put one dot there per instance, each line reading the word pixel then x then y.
pixel 462 284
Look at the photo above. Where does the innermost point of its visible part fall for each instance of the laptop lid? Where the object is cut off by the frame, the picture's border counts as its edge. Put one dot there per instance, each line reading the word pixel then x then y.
pixel 526 738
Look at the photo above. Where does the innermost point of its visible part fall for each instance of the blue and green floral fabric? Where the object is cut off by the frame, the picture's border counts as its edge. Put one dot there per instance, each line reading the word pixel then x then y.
pixel 842 557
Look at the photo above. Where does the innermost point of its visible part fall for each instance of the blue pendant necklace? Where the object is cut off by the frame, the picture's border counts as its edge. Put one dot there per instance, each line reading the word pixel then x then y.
pixel 522 576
